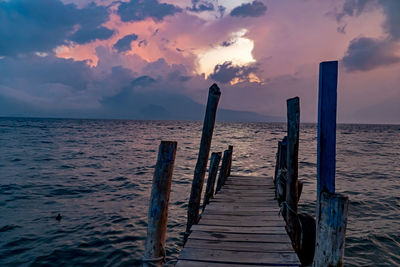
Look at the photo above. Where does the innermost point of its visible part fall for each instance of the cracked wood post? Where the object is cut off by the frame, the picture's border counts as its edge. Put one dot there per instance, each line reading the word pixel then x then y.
pixel 223 172
pixel 212 175
pixel 158 207
pixel 293 120
pixel 204 152
pixel 331 230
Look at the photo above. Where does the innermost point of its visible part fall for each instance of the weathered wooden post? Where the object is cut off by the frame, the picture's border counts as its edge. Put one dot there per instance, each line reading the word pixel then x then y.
pixel 326 147
pixel 212 175
pixel 223 172
pixel 331 211
pixel 331 230
pixel 204 152
pixel 230 148
pixel 158 208
pixel 293 121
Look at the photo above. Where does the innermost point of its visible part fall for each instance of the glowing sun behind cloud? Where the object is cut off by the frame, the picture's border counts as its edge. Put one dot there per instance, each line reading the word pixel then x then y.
pixel 238 51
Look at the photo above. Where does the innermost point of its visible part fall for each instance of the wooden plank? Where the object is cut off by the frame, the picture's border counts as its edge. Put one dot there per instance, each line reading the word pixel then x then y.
pixel 241 212
pixel 260 258
pixel 266 238
pixel 185 263
pixel 241 226
pixel 239 208
pixel 241 222
pixel 239 246
pixel 250 218
pixel 246 229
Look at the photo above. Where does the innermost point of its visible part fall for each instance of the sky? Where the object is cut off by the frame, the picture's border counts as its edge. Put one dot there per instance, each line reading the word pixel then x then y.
pixel 156 59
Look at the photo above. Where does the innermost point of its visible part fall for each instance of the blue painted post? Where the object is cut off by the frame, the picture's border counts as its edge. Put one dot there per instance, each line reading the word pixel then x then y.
pixel 326 148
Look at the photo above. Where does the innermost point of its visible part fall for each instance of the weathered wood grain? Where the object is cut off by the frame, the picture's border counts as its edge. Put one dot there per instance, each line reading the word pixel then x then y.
pixel 293 125
pixel 331 230
pixel 240 226
pixel 224 256
pixel 158 207
pixel 204 151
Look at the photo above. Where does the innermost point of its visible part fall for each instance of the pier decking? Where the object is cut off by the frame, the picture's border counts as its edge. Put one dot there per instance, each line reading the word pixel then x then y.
pixel 240 227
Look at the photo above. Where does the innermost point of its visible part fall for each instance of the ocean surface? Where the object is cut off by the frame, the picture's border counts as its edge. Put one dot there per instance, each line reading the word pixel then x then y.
pixel 98 175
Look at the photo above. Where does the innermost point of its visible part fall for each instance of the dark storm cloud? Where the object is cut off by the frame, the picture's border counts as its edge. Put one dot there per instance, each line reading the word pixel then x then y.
pixel 365 53
pixel 226 72
pixel 40 25
pixel 200 6
pixel 368 53
pixel 124 44
pixel 137 10
pixel 31 72
pixel 254 9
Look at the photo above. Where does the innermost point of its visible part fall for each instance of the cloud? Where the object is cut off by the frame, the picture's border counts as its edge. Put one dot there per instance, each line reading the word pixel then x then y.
pixel 124 44
pixel 137 10
pixel 352 8
pixel 41 25
pixel 200 6
pixel 226 72
pixel 254 9
pixel 365 54
pixel 392 22
pixel 391 10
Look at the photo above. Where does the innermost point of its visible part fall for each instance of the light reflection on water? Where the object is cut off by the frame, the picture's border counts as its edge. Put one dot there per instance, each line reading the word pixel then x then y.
pixel 97 174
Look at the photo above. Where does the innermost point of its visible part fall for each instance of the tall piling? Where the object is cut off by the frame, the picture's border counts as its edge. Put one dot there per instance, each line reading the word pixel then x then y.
pixel 293 124
pixel 158 207
pixel 204 152
pixel 331 208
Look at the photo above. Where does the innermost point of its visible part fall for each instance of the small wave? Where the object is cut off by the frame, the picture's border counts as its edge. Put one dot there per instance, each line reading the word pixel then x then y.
pixel 9 228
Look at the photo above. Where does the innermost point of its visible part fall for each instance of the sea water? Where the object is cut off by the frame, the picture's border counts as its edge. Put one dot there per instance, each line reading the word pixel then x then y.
pixel 97 174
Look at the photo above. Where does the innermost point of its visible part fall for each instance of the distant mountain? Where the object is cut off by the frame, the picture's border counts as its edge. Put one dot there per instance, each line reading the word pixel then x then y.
pixel 167 106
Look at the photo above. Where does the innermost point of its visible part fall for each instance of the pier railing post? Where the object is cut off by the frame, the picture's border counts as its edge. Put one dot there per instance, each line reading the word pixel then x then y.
pixel 331 230
pixel 158 208
pixel 204 152
pixel 326 147
pixel 223 172
pixel 293 121
pixel 230 148
pixel 331 208
pixel 212 175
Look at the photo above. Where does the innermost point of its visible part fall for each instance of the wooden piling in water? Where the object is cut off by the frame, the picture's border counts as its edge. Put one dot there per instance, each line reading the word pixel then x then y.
pixel 158 207
pixel 331 230
pixel 331 209
pixel 212 175
pixel 204 152
pixel 293 121
pixel 326 147
pixel 223 172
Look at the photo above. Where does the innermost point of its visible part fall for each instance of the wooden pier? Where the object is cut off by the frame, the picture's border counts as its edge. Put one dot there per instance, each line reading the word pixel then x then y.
pixel 241 226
